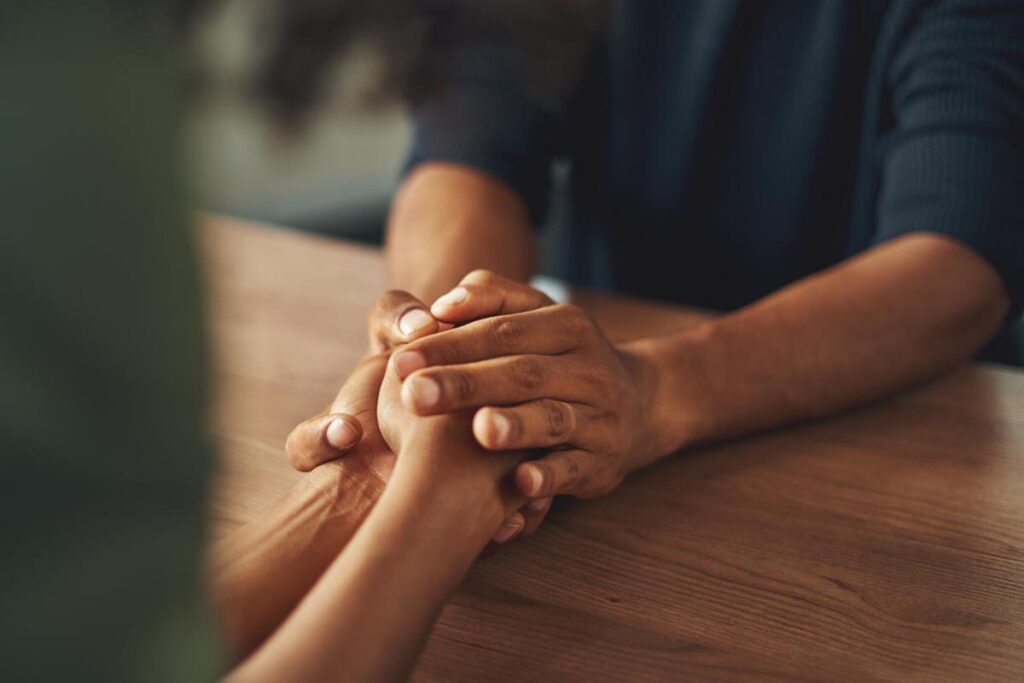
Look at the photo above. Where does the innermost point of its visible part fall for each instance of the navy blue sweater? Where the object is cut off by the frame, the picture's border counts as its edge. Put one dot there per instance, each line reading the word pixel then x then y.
pixel 721 149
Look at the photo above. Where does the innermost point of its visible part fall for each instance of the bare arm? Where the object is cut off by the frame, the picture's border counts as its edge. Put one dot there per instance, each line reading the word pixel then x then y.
pixel 260 571
pixel 447 220
pixel 368 616
pixel 367 590
pixel 895 315
pixel 875 323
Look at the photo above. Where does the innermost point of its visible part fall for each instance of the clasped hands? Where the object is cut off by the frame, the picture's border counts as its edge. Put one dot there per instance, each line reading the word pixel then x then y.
pixel 521 373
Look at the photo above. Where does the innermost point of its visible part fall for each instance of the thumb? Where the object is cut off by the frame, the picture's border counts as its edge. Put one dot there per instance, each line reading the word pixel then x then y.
pixel 322 438
pixel 399 318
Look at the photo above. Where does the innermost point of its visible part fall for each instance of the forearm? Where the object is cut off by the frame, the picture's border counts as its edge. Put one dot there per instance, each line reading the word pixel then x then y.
pixel 262 570
pixel 889 318
pixel 447 220
pixel 368 616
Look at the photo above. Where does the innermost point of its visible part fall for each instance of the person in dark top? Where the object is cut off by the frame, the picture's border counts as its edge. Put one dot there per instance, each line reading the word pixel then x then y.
pixel 841 179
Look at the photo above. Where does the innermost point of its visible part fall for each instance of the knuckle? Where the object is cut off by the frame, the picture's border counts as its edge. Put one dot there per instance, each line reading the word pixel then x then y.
pixel 565 310
pixel 433 352
pixel 290 446
pixel 573 317
pixel 559 417
pixel 441 353
pixel 587 477
pixel 574 473
pixel 507 334
pixel 528 374
pixel 461 386
pixel 389 300
pixel 297 456
pixel 479 276
pixel 613 420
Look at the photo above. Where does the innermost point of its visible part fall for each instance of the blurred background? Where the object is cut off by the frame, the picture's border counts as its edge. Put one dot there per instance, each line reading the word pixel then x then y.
pixel 335 173
pixel 334 176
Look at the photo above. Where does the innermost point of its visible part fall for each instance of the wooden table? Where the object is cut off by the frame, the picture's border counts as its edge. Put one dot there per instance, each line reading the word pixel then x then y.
pixel 885 544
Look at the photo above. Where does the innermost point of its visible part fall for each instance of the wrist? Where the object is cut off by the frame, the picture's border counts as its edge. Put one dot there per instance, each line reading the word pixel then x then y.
pixel 348 482
pixel 466 219
pixel 442 469
pixel 672 376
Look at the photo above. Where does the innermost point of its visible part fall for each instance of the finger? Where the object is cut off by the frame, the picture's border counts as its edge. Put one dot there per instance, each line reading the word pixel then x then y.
pixel 483 294
pixel 557 473
pixel 320 439
pixel 358 395
pixel 498 381
pixel 326 437
pixel 398 318
pixel 534 513
pixel 534 424
pixel 548 330
pixel 510 528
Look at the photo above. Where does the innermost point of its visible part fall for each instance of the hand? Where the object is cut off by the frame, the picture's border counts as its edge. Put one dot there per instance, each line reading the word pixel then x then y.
pixel 398 317
pixel 313 442
pixel 440 454
pixel 349 426
pixel 546 378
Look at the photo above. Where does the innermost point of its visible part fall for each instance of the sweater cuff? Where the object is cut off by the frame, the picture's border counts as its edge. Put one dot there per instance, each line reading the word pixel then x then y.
pixel 963 185
pixel 499 133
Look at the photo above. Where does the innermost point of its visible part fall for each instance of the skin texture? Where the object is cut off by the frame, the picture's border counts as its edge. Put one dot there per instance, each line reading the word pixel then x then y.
pixel 260 571
pixel 357 590
pixel 513 370
pixel 445 201
pixel 349 427
pixel 469 221
pixel 890 317
pixel 571 389
pixel 813 349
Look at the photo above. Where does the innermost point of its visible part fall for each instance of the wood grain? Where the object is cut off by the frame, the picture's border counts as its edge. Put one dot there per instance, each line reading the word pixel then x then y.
pixel 884 544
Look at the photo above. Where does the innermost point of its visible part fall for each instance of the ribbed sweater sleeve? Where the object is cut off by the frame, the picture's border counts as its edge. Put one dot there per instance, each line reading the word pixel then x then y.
pixel 488 117
pixel 953 161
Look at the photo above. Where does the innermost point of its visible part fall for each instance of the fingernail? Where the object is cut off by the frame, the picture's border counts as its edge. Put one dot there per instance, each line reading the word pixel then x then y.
pixel 536 479
pixel 408 362
pixel 340 434
pixel 502 427
pixel 425 391
pixel 539 504
pixel 414 320
pixel 453 298
pixel 507 533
